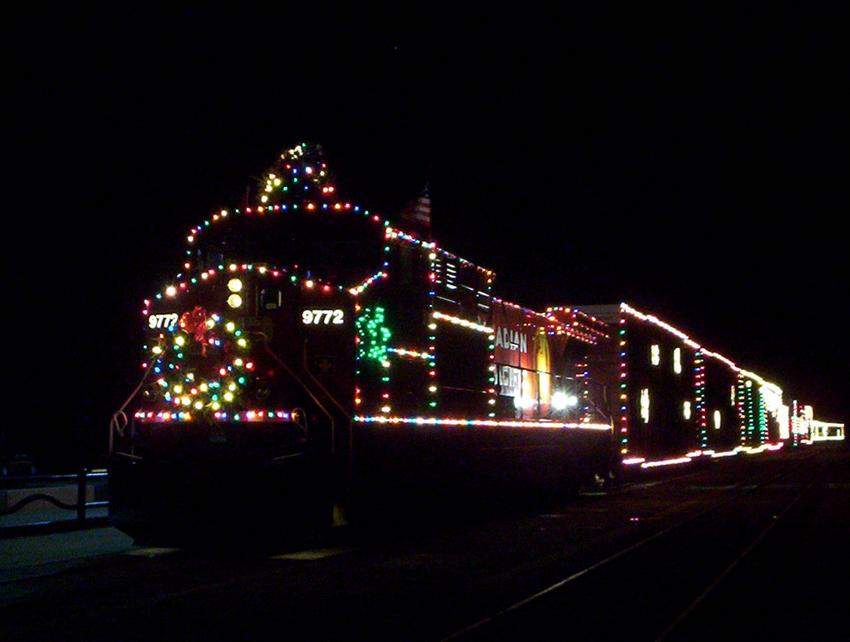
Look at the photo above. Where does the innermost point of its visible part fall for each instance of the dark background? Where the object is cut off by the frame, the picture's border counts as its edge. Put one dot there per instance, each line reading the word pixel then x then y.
pixel 692 163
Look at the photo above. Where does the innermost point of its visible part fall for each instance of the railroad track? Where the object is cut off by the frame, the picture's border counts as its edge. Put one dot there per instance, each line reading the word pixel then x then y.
pixel 494 623
pixel 686 556
pixel 699 599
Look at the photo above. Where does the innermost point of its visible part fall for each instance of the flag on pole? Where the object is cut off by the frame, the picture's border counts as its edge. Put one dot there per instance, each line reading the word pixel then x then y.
pixel 417 214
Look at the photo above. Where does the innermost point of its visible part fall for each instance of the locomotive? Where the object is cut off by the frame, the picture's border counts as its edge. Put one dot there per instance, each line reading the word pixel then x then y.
pixel 313 358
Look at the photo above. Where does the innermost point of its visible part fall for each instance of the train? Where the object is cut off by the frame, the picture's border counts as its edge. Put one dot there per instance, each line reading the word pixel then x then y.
pixel 315 360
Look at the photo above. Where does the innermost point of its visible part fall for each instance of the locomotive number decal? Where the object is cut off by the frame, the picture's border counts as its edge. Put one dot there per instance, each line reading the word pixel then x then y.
pixel 323 317
pixel 162 321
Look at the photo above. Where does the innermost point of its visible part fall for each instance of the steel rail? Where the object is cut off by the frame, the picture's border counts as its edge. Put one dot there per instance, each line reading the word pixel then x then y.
pixel 731 567
pixel 744 490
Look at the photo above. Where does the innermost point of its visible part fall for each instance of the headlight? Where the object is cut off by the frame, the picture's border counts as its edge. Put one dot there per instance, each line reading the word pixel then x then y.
pixel 562 401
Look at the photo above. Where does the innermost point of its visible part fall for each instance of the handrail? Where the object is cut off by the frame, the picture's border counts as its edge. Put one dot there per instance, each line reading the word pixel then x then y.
pixel 119 420
pixel 309 392
pixel 322 387
pixel 13 482
pixel 82 478
pixel 349 462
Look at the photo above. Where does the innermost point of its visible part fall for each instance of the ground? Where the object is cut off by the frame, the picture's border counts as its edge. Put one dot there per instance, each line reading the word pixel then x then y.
pixel 750 548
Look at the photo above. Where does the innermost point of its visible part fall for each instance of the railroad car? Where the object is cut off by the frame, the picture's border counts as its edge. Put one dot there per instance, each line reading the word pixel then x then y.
pixel 310 352
pixel 677 400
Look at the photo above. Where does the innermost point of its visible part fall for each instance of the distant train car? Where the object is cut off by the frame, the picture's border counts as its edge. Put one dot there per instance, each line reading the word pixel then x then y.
pixel 310 353
pixel 678 401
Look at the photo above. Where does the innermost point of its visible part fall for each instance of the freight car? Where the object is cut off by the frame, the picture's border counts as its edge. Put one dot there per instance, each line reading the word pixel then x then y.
pixel 312 353
pixel 679 401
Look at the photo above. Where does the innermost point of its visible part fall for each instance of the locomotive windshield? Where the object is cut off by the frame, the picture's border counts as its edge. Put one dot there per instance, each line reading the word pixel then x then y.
pixel 342 249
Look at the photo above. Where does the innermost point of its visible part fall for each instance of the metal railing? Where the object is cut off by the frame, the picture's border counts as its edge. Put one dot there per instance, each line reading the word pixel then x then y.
pixel 81 506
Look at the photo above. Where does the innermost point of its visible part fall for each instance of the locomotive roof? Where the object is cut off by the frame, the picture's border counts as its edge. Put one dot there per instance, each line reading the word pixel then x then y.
pixel 300 181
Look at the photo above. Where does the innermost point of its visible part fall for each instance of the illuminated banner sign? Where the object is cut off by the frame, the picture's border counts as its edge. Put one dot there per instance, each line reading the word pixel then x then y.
pixel 509 380
pixel 514 339
pixel 525 357
pixel 510 339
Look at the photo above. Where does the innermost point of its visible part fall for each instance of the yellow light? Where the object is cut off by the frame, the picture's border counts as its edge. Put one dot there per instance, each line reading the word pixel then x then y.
pixel 462 322
pixel 204 387
pixel 231 387
pixel 228 396
pixel 241 342
pixel 230 326
pixel 644 405
pixel 234 285
pixel 234 300
pixel 238 363
pixel 186 401
pixel 156 350
pixel 432 388
pixel 170 291
pixel 216 405
pixel 180 340
pixel 199 405
pixel 178 389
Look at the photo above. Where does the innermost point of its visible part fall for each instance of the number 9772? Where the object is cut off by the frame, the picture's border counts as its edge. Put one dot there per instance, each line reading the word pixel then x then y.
pixel 322 317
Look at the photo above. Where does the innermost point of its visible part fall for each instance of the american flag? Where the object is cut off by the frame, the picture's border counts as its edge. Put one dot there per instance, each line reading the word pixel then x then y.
pixel 418 213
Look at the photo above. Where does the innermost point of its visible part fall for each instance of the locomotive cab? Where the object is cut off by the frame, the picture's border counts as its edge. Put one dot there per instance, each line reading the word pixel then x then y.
pixel 249 368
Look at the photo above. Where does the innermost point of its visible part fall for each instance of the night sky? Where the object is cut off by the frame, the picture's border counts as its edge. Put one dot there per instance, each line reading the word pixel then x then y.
pixel 693 164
